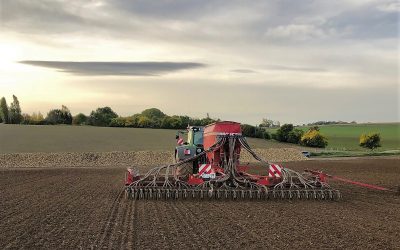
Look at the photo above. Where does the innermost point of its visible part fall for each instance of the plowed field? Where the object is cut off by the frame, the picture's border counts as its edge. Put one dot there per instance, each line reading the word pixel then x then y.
pixel 85 208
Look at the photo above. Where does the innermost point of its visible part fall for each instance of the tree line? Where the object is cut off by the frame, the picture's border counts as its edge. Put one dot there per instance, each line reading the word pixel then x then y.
pixel 313 137
pixel 330 123
pixel 10 114
pixel 106 117
pixel 155 118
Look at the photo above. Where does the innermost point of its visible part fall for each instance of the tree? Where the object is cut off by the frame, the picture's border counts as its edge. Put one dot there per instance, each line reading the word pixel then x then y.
pixel 37 117
pixel 34 119
pixel 118 122
pixel 282 134
pixel 248 130
pixel 206 121
pixel 255 132
pixel 102 117
pixel 171 122
pixel 313 138
pixel 195 122
pixel 59 116
pixel 14 114
pixel 144 122
pixel 294 136
pixel 131 121
pixel 3 110
pixel 153 113
pixel 79 119
pixel 185 121
pixel 26 119
pixel 371 141
pixel 267 123
pixel 261 133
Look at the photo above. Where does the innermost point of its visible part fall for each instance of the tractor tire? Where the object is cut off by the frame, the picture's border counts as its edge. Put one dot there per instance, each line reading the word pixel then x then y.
pixel 185 169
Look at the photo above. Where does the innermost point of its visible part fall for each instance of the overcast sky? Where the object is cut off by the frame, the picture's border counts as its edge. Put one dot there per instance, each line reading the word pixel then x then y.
pixel 293 61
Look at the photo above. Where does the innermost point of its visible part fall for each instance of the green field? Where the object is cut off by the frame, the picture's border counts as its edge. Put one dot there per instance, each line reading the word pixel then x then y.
pixel 346 137
pixel 26 138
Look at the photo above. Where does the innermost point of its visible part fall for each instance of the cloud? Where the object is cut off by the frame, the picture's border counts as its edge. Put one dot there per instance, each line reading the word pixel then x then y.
pixel 245 71
pixel 295 32
pixel 369 21
pixel 292 68
pixel 116 68
pixel 40 16
pixel 314 45
pixel 390 7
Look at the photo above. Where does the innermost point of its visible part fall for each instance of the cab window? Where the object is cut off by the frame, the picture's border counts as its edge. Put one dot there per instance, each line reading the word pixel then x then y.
pixel 198 138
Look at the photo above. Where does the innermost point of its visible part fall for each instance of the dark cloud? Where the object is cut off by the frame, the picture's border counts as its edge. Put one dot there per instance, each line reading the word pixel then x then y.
pixel 366 22
pixel 116 68
pixel 142 18
pixel 178 9
pixel 243 71
pixel 32 16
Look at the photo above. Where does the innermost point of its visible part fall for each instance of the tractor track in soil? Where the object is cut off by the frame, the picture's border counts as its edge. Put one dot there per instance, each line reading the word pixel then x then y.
pixel 68 208
pixel 111 216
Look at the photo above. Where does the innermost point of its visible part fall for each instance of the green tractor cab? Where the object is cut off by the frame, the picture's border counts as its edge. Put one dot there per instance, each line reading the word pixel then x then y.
pixel 191 147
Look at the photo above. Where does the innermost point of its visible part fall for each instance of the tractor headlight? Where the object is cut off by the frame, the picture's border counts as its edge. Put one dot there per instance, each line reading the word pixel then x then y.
pixel 198 150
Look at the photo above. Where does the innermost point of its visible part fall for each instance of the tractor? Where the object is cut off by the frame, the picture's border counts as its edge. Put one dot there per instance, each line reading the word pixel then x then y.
pixel 208 166
pixel 192 147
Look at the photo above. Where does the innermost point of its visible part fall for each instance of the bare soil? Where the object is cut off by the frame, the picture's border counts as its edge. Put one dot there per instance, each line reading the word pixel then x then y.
pixel 126 159
pixel 85 208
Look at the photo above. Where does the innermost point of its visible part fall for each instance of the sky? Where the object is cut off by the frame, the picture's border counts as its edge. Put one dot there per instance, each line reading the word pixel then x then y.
pixel 291 61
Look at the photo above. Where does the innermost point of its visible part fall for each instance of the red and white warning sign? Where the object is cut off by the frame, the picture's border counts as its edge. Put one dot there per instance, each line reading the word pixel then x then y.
pixel 206 171
pixel 186 151
pixel 179 141
pixel 275 171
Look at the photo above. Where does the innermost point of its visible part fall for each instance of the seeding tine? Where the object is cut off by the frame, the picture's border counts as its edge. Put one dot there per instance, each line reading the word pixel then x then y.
pixel 159 194
pixel 234 194
pixel 338 195
pixel 210 194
